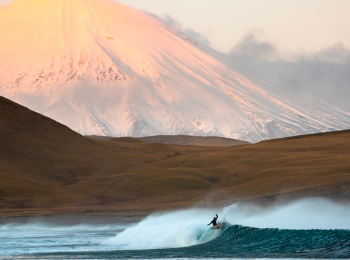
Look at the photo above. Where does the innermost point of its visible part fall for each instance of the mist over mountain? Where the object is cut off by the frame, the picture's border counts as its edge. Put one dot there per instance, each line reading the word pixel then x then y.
pixel 322 74
pixel 103 68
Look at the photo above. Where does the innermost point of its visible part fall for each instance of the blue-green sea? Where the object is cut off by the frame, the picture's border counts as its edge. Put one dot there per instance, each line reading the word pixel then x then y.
pixel 309 229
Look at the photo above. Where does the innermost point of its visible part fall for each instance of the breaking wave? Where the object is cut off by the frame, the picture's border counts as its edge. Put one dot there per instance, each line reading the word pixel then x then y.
pixel 189 227
pixel 170 230
pixel 313 228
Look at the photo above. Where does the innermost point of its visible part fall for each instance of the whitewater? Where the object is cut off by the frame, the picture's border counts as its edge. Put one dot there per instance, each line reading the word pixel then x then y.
pixel 312 228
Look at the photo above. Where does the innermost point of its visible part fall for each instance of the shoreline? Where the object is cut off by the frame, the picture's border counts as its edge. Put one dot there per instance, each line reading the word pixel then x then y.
pixel 132 215
pixel 69 217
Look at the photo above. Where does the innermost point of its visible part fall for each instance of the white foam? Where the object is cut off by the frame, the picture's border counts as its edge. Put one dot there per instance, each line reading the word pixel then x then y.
pixel 170 230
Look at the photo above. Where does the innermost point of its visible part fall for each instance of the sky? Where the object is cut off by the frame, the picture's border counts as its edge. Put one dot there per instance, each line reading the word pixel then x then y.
pixel 291 25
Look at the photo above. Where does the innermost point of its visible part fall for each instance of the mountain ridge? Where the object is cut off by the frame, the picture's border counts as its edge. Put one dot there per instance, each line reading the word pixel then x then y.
pixel 103 68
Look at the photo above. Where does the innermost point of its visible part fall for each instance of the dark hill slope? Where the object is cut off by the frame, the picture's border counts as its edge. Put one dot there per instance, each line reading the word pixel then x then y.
pixel 46 167
pixel 177 140
pixel 44 164
pixel 193 140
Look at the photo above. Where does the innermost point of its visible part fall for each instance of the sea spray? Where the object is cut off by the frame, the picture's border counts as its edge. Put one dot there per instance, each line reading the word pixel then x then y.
pixel 312 213
pixel 170 230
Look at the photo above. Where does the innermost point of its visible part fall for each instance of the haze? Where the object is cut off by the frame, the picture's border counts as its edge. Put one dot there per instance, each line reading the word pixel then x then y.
pixel 303 44
pixel 292 25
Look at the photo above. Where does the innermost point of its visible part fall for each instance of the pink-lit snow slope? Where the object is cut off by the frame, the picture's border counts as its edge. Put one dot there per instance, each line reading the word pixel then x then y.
pixel 104 68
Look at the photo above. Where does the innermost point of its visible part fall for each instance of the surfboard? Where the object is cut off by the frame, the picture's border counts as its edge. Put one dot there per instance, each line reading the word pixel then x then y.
pixel 219 226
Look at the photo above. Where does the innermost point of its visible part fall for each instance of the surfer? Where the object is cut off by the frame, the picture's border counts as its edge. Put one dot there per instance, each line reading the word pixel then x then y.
pixel 214 221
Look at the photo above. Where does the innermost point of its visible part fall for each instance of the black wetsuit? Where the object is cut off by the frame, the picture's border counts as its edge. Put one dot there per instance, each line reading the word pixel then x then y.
pixel 214 221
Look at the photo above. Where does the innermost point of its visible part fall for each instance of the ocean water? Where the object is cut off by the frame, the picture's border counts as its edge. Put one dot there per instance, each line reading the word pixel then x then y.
pixel 313 228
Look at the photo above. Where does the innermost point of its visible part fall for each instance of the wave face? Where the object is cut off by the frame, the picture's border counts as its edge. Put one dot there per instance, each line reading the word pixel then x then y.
pixel 241 242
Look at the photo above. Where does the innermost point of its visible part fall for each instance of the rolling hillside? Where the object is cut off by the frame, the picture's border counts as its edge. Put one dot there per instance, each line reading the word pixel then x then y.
pixel 46 167
pixel 179 140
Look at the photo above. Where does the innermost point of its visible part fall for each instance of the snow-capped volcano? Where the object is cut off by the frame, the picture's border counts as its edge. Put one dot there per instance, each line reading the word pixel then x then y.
pixel 104 68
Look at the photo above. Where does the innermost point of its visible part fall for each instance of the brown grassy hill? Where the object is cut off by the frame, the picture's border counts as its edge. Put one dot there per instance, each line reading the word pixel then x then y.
pixel 127 140
pixel 193 140
pixel 46 167
pixel 179 140
pixel 100 137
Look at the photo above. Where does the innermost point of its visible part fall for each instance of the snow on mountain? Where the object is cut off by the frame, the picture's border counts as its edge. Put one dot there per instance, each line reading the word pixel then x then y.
pixel 104 68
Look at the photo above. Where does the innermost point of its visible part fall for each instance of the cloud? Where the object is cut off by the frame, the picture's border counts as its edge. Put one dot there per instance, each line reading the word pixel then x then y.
pixel 336 53
pixel 195 35
pixel 199 37
pixel 324 74
pixel 252 48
